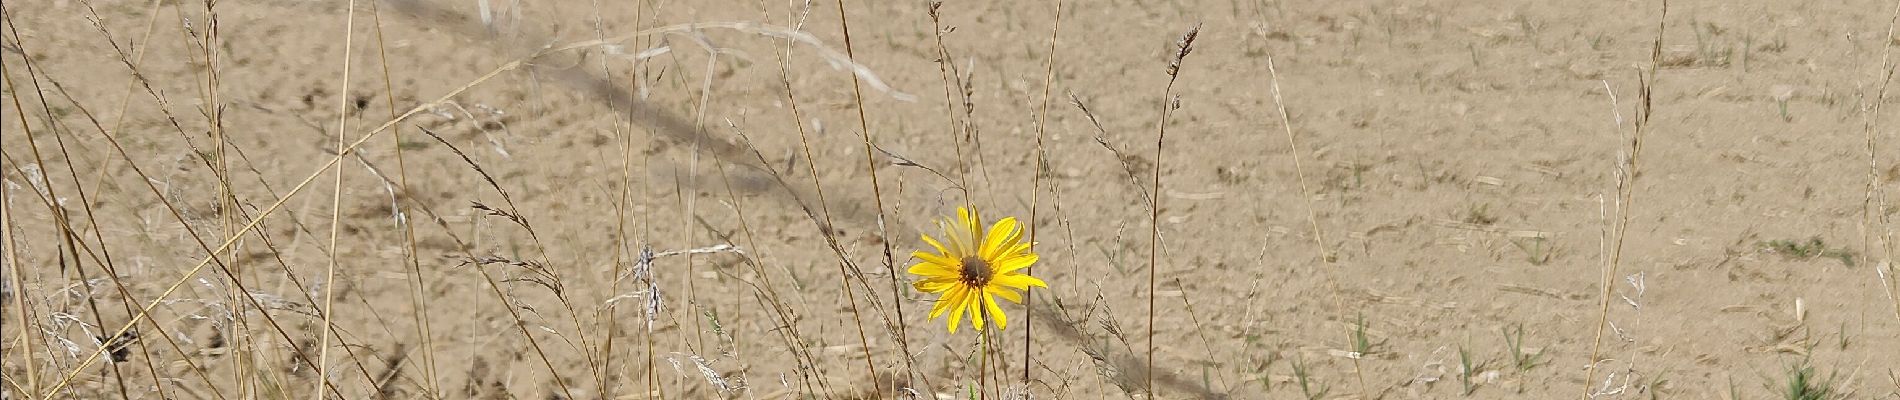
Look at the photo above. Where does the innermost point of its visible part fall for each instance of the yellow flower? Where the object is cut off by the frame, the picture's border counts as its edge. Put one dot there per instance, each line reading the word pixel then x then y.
pixel 975 269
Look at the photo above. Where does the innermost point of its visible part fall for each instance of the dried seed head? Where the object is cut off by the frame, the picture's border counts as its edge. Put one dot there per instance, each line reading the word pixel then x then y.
pixel 1181 49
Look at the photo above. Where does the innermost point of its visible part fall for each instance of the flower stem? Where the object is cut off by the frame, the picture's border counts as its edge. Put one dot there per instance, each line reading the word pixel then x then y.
pixel 983 370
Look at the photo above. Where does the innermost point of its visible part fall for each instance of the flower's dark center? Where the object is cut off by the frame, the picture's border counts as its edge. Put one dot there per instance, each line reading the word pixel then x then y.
pixel 976 271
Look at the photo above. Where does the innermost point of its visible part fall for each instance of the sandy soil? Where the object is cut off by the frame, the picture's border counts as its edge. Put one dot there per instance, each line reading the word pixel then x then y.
pixel 1456 190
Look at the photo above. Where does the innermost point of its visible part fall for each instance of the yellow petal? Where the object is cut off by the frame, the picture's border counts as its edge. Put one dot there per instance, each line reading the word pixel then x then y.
pixel 956 314
pixel 1018 281
pixel 933 243
pixel 941 304
pixel 976 310
pixel 1012 264
pixel 1002 320
pixel 1006 294
pixel 933 265
pixel 959 242
pixel 1018 248
pixel 972 226
pixel 1002 236
pixel 934 285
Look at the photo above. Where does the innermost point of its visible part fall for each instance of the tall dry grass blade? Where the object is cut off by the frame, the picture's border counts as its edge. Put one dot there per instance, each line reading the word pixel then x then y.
pixel 545 276
pixel 738 207
pixel 604 316
pixel 552 279
pixel 1293 146
pixel 642 258
pixel 789 328
pixel 1627 172
pixel 877 198
pixel 1874 199
pixel 692 176
pixel 1035 187
pixel 418 287
pixel 26 324
pixel 1129 170
pixel 125 100
pixel 1183 47
pixel 811 163
pixel 946 70
pixel 246 360
pixel 336 200
pixel 10 246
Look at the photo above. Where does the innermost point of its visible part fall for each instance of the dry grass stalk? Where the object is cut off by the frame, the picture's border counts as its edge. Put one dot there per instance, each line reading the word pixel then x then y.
pixel 1035 187
pixel 1183 47
pixel 336 202
pixel 804 141
pixel 947 72
pixel 1874 199
pixel 877 198
pixel 1293 146
pixel 1626 173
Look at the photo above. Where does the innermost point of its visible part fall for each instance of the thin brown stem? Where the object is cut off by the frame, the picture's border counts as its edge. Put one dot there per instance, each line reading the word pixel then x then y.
pixel 946 70
pixel 418 291
pixel 336 201
pixel 1035 191
pixel 1183 47
pixel 865 131
pixel 811 164
pixel 1293 146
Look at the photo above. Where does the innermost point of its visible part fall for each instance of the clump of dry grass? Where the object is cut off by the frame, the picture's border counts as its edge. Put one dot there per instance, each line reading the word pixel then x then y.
pixel 1627 170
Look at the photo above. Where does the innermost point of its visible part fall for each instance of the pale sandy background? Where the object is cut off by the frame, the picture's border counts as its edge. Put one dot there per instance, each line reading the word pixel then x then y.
pixel 1460 160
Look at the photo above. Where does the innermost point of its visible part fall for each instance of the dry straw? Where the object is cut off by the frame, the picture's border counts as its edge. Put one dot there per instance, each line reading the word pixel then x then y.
pixel 1626 173
pixel 1182 48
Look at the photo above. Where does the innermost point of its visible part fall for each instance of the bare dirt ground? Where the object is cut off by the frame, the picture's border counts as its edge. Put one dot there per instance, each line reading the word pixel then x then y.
pixel 1441 224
